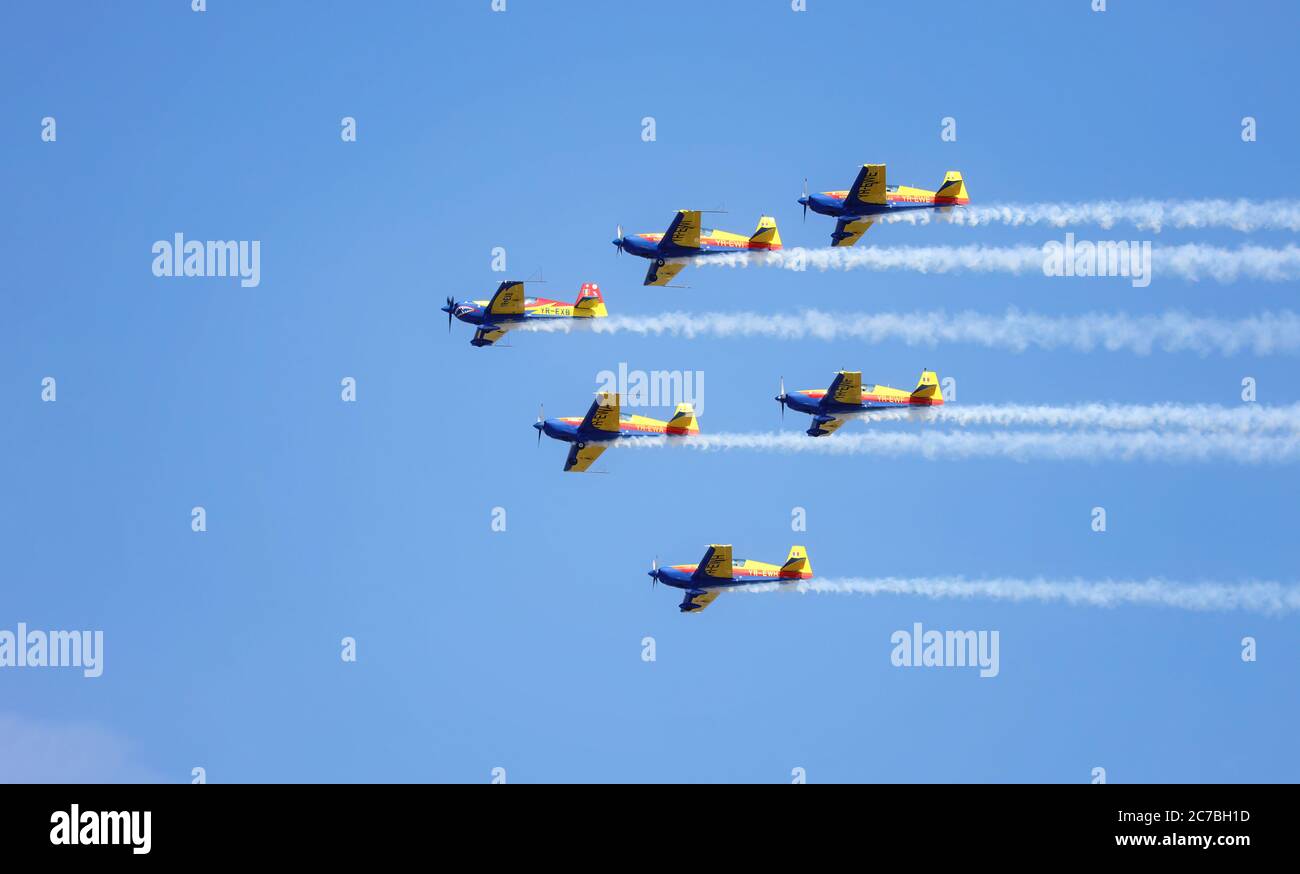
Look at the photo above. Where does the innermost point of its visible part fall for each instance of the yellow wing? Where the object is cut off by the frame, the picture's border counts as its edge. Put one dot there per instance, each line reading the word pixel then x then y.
pixel 847 387
pixel 582 457
pixel 662 274
pixel 868 189
pixel 603 415
pixel 830 426
pixel 716 562
pixel 487 338
pixel 508 301
pixel 849 231
pixel 685 229
pixel 696 600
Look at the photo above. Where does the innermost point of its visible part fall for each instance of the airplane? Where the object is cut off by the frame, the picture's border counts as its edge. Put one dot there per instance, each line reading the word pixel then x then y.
pixel 869 198
pixel 831 407
pixel 703 582
pixel 592 434
pixel 685 239
pixel 508 309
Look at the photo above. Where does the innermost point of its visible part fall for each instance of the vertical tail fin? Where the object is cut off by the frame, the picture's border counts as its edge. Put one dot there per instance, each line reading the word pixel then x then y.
pixel 589 303
pixel 928 390
pixel 797 566
pixel 953 189
pixel 767 236
pixel 683 421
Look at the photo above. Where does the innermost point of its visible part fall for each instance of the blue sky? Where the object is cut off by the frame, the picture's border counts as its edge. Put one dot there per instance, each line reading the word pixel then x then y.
pixel 522 649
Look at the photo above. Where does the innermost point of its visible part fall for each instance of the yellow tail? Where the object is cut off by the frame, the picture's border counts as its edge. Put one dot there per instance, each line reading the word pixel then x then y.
pixel 589 305
pixel 953 187
pixel 797 566
pixel 767 236
pixel 928 387
pixel 684 421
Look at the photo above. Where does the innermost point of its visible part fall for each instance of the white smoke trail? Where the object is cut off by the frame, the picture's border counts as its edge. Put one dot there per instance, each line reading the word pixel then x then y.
pixel 1014 445
pixel 1244 419
pixel 1190 261
pixel 1264 334
pixel 1153 215
pixel 1256 597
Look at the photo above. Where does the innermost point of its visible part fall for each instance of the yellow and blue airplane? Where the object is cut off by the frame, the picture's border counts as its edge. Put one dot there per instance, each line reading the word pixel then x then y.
pixel 847 397
pixel 672 250
pixel 591 435
pixel 703 582
pixel 858 207
pixel 509 308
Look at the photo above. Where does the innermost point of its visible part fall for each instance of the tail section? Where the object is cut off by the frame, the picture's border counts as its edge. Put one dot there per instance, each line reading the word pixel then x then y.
pixel 953 189
pixel 927 390
pixel 589 305
pixel 684 421
pixel 797 566
pixel 767 236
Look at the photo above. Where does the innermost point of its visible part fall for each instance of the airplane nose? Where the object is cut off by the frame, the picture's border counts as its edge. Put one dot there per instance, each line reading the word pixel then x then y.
pixel 539 425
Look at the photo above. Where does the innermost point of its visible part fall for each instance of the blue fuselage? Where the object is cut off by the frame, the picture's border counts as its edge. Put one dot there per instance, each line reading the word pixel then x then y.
pixel 824 204
pixel 663 249
pixel 804 403
pixel 824 408
pixel 476 314
pixel 680 579
pixel 558 429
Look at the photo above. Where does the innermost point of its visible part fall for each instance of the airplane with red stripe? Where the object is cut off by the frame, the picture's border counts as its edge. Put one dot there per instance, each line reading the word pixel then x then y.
pixel 604 424
pixel 847 397
pixel 510 308
pixel 685 239
pixel 717 571
pixel 869 198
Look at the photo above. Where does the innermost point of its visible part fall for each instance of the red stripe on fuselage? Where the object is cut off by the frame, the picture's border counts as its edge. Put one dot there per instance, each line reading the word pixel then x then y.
pixel 873 399
pixel 767 575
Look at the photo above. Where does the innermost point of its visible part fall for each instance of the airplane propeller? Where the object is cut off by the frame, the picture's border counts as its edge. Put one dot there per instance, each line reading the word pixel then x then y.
pixel 540 423
pixel 618 239
pixel 654 572
pixel 449 309
pixel 782 399
pixel 804 199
